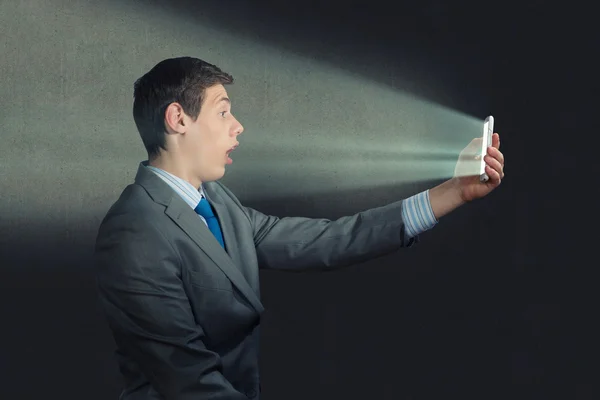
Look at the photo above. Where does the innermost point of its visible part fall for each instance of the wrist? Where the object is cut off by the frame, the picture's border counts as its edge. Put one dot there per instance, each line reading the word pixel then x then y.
pixel 446 197
pixel 457 190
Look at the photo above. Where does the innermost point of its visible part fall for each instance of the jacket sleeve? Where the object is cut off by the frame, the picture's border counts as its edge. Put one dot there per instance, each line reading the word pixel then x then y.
pixel 296 243
pixel 141 291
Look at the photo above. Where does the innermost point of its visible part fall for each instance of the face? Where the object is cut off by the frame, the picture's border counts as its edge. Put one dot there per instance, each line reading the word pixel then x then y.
pixel 207 142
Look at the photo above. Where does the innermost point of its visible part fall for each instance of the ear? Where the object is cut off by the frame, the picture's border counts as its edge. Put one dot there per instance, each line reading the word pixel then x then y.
pixel 174 118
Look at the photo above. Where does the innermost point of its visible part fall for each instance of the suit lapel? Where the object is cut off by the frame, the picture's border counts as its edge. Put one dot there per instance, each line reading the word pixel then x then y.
pixel 229 231
pixel 188 221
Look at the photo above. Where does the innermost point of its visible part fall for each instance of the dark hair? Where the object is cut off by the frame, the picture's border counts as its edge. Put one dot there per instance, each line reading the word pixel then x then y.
pixel 182 80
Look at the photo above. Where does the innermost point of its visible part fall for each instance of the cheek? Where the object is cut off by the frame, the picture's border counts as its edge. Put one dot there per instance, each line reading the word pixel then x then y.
pixel 199 147
pixel 208 147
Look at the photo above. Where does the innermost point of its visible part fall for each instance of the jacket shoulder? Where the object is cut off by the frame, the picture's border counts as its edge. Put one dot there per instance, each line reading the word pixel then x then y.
pixel 134 205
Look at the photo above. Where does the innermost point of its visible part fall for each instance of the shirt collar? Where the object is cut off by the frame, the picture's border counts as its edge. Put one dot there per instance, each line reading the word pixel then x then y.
pixel 182 187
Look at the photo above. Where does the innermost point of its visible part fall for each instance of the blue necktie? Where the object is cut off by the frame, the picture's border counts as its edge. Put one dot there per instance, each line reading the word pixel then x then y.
pixel 203 209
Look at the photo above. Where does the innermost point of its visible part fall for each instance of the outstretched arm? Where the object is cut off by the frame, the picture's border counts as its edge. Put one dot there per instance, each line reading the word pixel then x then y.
pixel 296 243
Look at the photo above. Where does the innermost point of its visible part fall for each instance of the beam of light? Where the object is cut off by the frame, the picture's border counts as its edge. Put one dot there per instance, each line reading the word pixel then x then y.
pixel 382 137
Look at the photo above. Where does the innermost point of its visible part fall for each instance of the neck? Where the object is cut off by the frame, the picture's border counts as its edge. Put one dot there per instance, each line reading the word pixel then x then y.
pixel 176 167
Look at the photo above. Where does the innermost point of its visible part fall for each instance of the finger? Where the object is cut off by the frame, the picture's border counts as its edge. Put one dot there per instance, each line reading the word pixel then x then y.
pixel 496 154
pixel 493 175
pixel 495 164
pixel 496 141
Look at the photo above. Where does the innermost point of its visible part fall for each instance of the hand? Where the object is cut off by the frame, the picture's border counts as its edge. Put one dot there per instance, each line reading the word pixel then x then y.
pixel 468 183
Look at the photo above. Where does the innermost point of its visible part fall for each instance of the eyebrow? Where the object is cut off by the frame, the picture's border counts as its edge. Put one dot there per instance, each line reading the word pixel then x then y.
pixel 225 99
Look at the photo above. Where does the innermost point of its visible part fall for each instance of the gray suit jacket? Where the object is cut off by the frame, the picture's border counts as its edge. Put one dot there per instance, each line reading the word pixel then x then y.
pixel 185 312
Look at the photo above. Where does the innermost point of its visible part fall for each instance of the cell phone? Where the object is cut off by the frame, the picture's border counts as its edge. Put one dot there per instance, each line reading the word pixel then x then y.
pixel 488 131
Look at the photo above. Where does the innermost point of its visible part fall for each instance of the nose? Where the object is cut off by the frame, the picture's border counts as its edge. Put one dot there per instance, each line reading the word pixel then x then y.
pixel 238 129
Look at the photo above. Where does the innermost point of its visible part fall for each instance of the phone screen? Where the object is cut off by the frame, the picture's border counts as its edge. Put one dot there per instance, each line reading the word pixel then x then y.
pixel 488 130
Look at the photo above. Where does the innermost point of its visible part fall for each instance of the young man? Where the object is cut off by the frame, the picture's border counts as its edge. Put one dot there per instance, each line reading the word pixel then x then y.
pixel 178 254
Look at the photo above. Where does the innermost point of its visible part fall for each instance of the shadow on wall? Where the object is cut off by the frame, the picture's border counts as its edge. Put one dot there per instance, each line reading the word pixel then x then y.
pixel 402 47
pixel 56 337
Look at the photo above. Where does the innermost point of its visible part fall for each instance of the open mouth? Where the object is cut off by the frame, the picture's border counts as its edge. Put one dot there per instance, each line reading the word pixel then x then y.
pixel 229 160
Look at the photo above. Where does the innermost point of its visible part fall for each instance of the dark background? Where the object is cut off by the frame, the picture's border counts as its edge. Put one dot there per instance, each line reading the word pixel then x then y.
pixel 497 301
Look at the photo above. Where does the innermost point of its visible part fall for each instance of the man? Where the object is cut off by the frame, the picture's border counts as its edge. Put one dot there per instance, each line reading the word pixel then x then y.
pixel 178 255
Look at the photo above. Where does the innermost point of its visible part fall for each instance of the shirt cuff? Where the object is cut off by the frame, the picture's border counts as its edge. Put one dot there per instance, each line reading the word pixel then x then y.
pixel 417 214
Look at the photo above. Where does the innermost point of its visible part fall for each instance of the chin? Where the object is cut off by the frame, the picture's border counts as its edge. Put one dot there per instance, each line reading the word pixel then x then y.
pixel 221 175
pixel 215 175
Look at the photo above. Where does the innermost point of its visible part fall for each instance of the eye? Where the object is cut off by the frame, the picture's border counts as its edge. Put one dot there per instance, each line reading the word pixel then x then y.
pixel 222 113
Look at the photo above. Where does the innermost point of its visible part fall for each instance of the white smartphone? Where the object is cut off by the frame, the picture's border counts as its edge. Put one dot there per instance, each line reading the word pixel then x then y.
pixel 488 131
